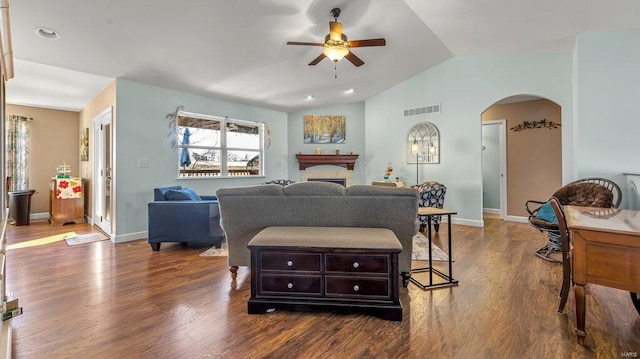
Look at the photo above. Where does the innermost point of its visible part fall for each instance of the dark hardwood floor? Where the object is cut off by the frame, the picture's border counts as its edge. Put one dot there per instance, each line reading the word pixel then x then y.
pixel 100 300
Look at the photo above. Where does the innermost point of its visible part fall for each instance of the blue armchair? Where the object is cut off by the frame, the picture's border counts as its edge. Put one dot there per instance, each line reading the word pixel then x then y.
pixel 431 195
pixel 179 215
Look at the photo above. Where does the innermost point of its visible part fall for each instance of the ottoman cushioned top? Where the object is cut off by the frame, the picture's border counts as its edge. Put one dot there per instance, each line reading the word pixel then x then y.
pixel 327 237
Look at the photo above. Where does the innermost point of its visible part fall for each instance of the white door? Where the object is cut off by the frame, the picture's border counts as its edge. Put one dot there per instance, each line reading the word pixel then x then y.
pixel 102 171
pixel 494 167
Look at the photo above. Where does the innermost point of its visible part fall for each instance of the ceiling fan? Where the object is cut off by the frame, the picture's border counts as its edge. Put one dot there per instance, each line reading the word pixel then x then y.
pixel 336 45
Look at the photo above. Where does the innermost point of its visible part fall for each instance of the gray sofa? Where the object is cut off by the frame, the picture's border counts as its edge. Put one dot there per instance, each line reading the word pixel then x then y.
pixel 245 211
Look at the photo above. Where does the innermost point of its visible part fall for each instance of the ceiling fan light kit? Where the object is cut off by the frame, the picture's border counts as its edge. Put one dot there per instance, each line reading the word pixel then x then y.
pixel 336 46
pixel 335 53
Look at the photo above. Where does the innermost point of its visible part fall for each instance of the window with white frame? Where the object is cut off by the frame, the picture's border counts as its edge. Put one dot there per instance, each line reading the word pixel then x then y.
pixel 423 144
pixel 212 146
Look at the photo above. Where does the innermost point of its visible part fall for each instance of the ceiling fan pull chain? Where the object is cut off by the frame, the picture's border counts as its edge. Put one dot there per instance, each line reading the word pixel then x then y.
pixel 335 69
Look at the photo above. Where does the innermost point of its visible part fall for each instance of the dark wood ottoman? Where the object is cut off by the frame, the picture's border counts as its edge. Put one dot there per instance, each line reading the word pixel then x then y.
pixel 341 269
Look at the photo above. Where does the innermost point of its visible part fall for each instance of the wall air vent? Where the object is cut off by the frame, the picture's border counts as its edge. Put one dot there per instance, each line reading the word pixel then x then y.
pixel 422 110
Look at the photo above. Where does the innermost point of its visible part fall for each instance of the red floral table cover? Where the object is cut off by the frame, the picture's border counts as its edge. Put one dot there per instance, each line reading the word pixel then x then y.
pixel 66 188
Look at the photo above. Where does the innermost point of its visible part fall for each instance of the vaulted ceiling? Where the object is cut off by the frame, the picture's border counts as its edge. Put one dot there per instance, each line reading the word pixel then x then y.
pixel 236 50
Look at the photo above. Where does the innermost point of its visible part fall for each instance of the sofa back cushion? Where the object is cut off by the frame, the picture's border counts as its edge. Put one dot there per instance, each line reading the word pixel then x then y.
pixel 184 194
pixel 315 189
pixel 159 193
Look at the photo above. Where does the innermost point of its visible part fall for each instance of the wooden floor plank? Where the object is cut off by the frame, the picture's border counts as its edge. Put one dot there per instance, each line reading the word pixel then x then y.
pixel 105 300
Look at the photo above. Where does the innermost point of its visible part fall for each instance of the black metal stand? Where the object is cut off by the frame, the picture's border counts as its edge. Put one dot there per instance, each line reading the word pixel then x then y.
pixel 449 278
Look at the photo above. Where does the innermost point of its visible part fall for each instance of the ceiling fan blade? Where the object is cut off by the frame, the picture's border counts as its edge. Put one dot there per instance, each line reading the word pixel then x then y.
pixel 354 59
pixel 317 59
pixel 305 43
pixel 368 42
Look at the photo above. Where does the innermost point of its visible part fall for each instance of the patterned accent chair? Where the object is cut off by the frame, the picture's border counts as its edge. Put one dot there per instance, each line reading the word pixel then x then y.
pixel 282 182
pixel 431 195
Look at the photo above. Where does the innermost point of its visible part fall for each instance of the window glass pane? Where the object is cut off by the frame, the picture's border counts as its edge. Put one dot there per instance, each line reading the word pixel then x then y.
pixel 243 163
pixel 199 162
pixel 202 146
pixel 201 132
pixel 243 136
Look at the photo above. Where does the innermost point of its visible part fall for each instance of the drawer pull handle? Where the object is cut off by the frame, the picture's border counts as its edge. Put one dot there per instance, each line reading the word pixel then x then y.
pixel 356 288
pixel 290 285
pixel 356 264
pixel 290 263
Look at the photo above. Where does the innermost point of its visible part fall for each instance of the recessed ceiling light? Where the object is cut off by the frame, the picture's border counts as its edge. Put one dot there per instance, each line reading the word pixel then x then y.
pixel 47 33
pixel 350 91
pixel 309 97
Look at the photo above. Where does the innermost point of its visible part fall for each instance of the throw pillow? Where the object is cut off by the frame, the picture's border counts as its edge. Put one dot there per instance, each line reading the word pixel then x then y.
pixel 546 213
pixel 185 194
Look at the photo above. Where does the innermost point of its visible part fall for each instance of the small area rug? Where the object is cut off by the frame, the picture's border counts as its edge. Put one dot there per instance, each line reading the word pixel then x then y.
pixel 421 247
pixel 216 252
pixel 84 238
pixel 420 244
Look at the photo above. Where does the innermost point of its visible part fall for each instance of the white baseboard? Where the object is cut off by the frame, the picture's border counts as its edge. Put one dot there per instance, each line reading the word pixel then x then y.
pixel 517 219
pixel 44 215
pixel 491 210
pixel 463 222
pixel 130 237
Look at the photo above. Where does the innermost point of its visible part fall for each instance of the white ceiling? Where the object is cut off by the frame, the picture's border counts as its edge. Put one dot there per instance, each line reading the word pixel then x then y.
pixel 236 50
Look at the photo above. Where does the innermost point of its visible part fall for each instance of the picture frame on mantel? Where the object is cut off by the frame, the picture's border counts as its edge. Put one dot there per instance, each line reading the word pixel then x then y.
pixel 319 129
pixel 84 144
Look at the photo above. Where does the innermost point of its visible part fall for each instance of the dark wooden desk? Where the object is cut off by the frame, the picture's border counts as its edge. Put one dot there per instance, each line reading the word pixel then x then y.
pixel 606 249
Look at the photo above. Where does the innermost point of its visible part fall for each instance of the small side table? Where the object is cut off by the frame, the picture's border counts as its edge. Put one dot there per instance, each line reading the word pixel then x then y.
pixel 430 212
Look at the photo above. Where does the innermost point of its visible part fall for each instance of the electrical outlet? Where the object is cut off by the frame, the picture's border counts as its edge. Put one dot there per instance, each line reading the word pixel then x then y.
pixel 143 163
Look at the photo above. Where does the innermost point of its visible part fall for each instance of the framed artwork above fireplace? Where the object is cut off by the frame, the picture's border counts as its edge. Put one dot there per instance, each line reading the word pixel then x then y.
pixel 319 129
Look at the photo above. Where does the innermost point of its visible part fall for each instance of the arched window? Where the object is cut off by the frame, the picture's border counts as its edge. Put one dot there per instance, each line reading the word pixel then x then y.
pixel 423 144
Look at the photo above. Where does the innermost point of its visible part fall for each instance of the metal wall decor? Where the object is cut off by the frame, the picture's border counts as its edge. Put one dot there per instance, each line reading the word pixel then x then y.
pixel 526 125
pixel 423 144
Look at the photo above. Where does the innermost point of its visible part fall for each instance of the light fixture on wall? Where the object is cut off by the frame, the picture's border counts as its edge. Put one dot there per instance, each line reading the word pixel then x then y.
pixel 415 149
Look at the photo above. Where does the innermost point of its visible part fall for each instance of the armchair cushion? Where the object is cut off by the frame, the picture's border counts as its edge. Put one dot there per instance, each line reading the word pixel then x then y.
pixel 184 194
pixel 545 212
pixel 431 195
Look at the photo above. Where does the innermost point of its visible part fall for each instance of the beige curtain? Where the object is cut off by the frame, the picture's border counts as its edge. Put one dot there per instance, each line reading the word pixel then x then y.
pixel 17 152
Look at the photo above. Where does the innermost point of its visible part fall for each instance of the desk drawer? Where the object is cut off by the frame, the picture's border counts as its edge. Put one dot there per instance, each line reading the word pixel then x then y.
pixel 357 263
pixel 338 286
pixel 613 263
pixel 287 261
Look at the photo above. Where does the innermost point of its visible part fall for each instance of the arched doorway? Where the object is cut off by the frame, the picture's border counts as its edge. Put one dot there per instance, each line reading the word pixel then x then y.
pixel 532 149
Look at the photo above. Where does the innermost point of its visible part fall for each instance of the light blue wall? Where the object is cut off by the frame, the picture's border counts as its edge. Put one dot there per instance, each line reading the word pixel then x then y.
pixel 355 139
pixel 465 86
pixel 608 114
pixel 142 132
pixel 598 81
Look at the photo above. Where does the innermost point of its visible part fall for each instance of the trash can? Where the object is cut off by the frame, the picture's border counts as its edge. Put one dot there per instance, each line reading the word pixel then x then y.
pixel 20 206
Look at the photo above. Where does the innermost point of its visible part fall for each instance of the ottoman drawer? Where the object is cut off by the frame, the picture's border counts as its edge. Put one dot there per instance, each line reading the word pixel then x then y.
pixel 357 263
pixel 349 287
pixel 286 285
pixel 289 261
